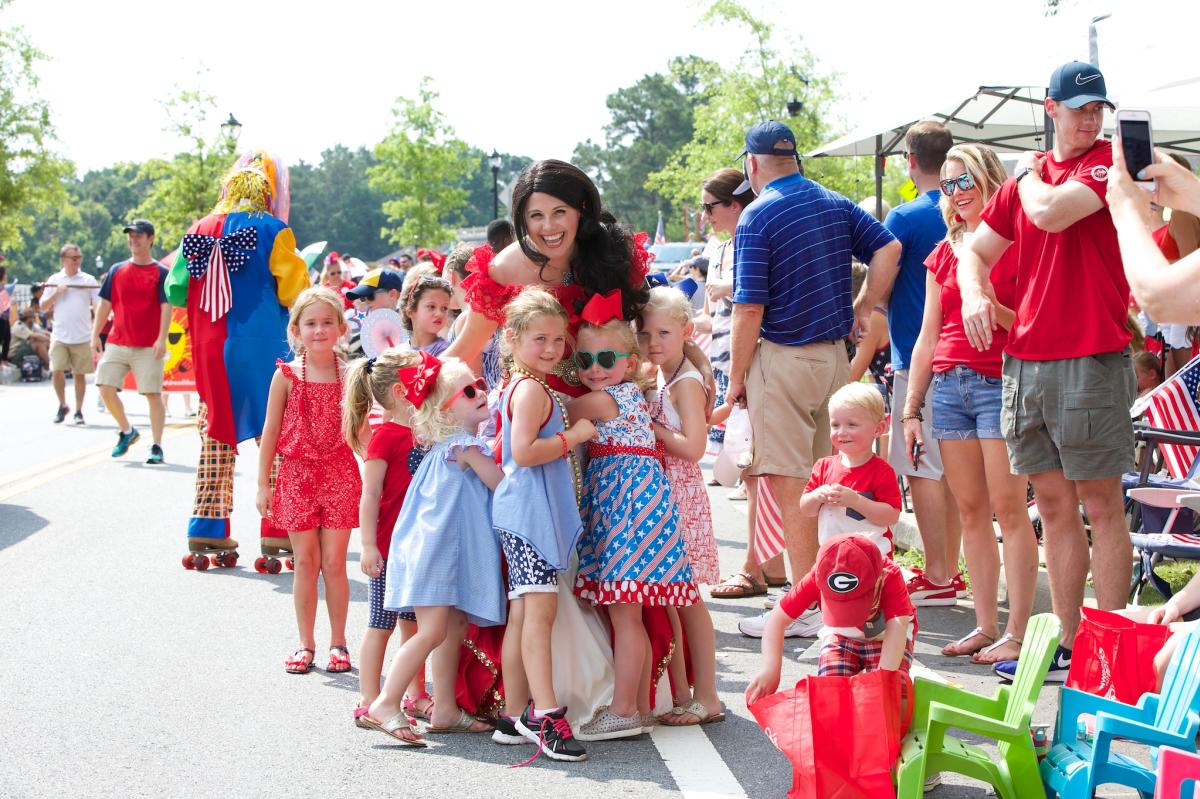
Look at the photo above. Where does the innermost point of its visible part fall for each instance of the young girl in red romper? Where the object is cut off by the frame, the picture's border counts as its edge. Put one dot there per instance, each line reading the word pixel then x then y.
pixel 318 486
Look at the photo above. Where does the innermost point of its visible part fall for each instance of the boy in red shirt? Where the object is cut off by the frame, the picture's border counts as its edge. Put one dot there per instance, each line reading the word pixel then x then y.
pixel 869 620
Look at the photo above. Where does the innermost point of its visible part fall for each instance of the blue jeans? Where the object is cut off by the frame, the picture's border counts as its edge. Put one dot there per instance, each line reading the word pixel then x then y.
pixel 966 405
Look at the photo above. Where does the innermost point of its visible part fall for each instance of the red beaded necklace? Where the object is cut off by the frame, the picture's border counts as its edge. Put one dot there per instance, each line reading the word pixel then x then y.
pixel 327 445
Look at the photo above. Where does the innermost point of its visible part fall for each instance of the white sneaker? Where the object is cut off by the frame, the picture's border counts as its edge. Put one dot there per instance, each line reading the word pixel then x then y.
pixel 808 625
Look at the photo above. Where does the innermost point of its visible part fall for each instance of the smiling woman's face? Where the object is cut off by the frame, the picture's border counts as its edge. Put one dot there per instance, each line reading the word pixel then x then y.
pixel 551 224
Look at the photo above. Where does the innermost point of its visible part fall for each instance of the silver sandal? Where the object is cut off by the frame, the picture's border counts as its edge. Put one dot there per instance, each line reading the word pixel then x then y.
pixel 1001 641
pixel 978 631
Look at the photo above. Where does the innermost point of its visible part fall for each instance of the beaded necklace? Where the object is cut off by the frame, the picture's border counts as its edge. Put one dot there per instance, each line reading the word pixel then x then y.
pixel 562 410
pixel 656 413
pixel 319 446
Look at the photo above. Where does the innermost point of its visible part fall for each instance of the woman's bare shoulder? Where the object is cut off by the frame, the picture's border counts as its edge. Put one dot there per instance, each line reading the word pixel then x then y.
pixel 512 266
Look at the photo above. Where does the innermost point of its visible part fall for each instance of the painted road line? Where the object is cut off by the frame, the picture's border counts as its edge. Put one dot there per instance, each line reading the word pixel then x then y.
pixel 695 764
pixel 48 473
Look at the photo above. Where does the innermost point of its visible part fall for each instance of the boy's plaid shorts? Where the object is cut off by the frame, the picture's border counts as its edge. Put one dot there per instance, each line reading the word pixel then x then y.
pixel 845 657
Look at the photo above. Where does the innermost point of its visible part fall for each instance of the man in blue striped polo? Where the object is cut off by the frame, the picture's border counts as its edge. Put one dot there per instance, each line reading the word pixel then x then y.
pixel 792 312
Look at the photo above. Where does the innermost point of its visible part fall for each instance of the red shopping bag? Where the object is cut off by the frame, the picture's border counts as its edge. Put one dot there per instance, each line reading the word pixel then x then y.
pixel 841 734
pixel 1113 655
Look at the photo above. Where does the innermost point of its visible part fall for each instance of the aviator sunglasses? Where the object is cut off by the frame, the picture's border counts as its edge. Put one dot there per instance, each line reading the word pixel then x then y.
pixel 963 182
pixel 470 391
pixel 606 358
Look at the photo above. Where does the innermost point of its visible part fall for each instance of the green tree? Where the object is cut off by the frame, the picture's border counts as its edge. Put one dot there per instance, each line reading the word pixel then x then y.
pixel 333 201
pixel 478 184
pixel 761 86
pixel 421 164
pixel 186 187
pixel 649 121
pixel 32 177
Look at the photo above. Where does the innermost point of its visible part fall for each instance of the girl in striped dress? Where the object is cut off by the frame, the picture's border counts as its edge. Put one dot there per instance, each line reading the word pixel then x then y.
pixel 631 554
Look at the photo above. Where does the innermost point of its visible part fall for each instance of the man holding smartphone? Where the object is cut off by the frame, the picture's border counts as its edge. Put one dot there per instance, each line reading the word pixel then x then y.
pixel 1068 380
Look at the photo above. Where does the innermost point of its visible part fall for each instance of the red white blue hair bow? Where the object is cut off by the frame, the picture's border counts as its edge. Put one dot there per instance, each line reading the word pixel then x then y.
pixel 211 259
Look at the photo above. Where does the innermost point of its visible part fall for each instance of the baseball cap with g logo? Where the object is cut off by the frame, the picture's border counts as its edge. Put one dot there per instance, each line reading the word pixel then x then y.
pixel 848 572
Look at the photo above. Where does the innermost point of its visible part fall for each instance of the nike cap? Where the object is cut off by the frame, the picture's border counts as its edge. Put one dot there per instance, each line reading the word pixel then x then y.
pixel 1076 84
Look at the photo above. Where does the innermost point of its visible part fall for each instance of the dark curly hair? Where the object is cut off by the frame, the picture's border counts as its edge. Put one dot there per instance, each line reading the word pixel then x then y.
pixel 602 254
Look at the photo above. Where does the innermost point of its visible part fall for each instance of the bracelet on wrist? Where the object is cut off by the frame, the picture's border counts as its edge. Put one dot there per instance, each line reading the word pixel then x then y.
pixel 908 416
pixel 565 445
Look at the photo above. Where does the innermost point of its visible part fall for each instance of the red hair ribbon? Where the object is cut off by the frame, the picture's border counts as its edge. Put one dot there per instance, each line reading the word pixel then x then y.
pixel 433 256
pixel 603 308
pixel 419 380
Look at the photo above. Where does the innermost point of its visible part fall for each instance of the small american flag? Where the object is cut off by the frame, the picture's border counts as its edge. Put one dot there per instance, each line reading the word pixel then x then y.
pixel 1172 406
pixel 768 524
pixel 660 233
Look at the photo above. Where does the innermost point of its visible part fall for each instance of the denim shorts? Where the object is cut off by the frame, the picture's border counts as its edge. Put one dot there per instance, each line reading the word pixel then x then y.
pixel 966 405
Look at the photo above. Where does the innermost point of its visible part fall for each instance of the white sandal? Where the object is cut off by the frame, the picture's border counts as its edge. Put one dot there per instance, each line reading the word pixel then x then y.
pixel 978 631
pixel 1001 641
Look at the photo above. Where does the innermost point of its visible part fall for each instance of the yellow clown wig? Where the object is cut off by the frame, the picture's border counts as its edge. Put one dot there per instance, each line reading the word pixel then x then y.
pixel 257 181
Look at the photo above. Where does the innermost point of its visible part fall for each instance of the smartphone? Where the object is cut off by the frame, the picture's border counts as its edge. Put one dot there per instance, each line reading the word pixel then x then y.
pixel 916 454
pixel 1137 142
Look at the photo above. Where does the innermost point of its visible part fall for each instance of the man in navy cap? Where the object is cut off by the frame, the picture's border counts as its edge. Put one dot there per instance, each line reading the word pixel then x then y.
pixel 792 312
pixel 1068 380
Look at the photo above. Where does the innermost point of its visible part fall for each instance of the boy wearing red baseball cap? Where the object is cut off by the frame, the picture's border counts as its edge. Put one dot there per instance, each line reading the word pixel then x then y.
pixel 868 617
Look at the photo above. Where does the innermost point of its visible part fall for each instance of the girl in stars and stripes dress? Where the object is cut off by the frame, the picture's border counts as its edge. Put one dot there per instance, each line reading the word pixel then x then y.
pixel 631 553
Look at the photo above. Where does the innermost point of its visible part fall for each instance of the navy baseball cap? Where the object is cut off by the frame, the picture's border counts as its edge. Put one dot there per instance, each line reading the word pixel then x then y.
pixel 376 280
pixel 1076 84
pixel 765 139
pixel 140 226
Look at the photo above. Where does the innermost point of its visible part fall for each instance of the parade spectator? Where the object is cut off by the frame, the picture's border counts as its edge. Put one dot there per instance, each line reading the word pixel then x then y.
pixel 334 277
pixel 133 292
pixel 965 410
pixel 919 227
pixel 722 205
pixel 30 337
pixel 404 262
pixel 1167 292
pixel 500 234
pixel 792 311
pixel 1067 397
pixel 5 313
pixel 70 294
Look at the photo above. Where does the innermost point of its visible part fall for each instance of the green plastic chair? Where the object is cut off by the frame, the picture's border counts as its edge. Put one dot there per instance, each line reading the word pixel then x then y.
pixel 1004 718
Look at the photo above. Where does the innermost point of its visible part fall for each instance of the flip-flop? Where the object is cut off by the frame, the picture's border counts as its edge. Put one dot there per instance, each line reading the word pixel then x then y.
pixel 297 665
pixel 1001 641
pixel 694 708
pixel 465 720
pixel 359 712
pixel 410 707
pixel 734 588
pixel 978 631
pixel 391 727
pixel 338 665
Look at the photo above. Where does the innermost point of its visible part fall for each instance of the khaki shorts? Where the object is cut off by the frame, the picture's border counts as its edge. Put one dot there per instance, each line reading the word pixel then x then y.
pixel 787 392
pixel 1070 414
pixel 76 357
pixel 897 455
pixel 117 361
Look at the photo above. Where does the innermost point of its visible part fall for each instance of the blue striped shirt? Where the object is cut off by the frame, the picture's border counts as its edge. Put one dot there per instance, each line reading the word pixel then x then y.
pixel 791 254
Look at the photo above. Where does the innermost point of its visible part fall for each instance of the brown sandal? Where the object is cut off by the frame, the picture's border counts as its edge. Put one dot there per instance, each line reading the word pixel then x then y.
pixel 738 585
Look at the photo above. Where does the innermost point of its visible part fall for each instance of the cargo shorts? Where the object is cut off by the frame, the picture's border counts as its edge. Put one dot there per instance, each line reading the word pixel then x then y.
pixel 1070 414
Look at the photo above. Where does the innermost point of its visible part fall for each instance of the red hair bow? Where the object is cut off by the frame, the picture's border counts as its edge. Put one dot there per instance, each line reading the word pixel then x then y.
pixel 603 308
pixel 419 380
pixel 433 256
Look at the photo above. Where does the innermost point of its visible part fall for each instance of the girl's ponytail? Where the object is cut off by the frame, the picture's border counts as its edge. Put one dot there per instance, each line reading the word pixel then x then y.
pixel 357 404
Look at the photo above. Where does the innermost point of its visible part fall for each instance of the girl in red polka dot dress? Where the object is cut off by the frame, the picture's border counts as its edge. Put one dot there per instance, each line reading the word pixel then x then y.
pixel 318 486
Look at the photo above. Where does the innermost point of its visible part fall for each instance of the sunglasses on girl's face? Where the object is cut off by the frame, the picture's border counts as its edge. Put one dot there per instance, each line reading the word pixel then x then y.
pixel 606 358
pixel 963 182
pixel 708 207
pixel 470 391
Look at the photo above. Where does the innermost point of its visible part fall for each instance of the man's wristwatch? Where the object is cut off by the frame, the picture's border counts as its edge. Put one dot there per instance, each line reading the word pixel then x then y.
pixel 1023 171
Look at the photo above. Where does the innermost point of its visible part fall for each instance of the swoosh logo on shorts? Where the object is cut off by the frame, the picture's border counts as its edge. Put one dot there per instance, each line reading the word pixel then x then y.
pixel 1080 80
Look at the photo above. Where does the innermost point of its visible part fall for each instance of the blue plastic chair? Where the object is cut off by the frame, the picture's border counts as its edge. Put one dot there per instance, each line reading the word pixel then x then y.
pixel 1073 767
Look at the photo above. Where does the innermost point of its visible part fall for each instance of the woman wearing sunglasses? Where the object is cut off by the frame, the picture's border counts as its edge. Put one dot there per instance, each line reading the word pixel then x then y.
pixel 332 278
pixel 967 397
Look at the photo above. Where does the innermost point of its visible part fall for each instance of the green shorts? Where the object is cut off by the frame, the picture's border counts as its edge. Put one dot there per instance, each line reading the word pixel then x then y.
pixel 1071 414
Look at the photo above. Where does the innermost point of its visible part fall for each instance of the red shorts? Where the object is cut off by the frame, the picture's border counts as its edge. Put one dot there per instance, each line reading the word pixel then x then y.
pixel 845 657
pixel 311 494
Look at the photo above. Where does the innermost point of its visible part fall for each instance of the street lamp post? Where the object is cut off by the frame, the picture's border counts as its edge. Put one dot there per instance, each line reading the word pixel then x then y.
pixel 494 163
pixel 231 129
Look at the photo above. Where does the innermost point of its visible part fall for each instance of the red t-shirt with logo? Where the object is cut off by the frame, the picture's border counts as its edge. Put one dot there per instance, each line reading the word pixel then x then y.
pixel 1072 294
pixel 393 444
pixel 137 293
pixel 893 596
pixel 875 480
pixel 953 348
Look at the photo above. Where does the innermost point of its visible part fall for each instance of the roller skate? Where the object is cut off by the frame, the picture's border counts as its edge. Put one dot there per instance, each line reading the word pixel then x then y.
pixel 274 548
pixel 204 552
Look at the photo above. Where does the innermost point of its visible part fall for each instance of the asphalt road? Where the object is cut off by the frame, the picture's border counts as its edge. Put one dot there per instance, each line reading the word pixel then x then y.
pixel 128 676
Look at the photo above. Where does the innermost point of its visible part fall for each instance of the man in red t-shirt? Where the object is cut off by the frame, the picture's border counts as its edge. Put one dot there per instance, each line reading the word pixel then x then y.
pixel 134 293
pixel 1068 379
